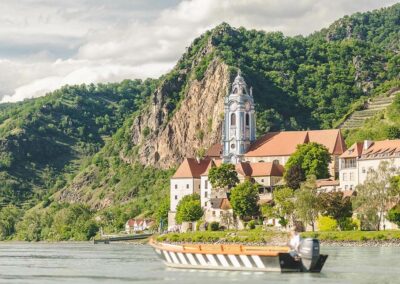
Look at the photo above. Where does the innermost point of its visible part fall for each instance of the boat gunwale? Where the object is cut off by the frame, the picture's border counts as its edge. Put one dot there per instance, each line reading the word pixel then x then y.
pixel 235 249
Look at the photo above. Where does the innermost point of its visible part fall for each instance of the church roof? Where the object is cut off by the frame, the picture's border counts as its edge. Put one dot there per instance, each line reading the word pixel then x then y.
pixel 215 151
pixel 284 143
pixel 277 144
pixel 259 169
pixel 191 168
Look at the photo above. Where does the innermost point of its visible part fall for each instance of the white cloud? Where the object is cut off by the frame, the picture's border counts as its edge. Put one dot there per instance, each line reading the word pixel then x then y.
pixel 45 44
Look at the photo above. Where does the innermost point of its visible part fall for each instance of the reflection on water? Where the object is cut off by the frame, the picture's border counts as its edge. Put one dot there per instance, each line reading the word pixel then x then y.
pixel 124 263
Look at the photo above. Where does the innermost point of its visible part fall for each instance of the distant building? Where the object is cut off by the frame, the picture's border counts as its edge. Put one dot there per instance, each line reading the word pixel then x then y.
pixel 363 156
pixel 137 225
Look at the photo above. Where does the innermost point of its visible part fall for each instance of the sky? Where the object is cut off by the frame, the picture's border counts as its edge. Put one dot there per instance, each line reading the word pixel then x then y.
pixel 45 44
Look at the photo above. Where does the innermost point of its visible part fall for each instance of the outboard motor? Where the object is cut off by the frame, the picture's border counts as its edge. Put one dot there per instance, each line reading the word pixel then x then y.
pixel 309 253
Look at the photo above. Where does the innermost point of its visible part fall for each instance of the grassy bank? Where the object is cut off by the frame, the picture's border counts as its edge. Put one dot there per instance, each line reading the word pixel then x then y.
pixel 250 236
pixel 354 236
pixel 260 236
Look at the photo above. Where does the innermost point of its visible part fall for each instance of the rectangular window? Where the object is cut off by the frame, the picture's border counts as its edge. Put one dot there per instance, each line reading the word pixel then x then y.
pixel 363 170
pixel 187 186
pixel 351 176
pixel 206 194
pixel 344 176
pixel 176 197
pixel 262 180
pixel 348 163
pixel 206 184
pixel 345 187
pixel 176 186
pixel 213 213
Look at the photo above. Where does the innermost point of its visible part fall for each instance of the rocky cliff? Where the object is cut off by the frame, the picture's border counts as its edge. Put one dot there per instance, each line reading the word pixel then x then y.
pixel 164 138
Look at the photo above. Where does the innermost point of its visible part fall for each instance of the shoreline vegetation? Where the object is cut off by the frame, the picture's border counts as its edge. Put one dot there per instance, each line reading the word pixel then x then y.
pixel 259 237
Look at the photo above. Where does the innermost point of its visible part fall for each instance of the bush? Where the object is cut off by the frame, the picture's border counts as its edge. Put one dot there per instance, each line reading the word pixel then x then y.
pixel 394 215
pixel 213 226
pixel 326 223
pixel 349 224
pixel 251 225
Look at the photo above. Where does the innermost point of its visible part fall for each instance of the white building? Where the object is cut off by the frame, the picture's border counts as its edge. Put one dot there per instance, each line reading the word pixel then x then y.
pixel 185 181
pixel 363 156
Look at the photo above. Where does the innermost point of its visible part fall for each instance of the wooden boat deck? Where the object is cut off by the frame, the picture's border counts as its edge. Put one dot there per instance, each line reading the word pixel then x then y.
pixel 235 249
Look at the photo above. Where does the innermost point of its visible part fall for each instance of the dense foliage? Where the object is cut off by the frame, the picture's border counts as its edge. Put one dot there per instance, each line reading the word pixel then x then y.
pixel 302 82
pixel 189 209
pixel 223 177
pixel 43 140
pixel 312 158
pixel 244 199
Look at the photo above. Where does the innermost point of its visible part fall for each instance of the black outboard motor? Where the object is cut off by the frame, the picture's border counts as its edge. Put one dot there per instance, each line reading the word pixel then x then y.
pixel 309 253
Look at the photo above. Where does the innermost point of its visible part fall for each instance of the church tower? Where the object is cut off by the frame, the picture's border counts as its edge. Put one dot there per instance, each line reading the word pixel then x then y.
pixel 239 128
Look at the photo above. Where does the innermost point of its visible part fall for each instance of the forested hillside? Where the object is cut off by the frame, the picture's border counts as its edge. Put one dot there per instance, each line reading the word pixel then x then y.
pixel 43 141
pixel 56 149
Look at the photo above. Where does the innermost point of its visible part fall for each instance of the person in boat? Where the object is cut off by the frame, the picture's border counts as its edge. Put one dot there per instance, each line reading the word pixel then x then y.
pixel 294 243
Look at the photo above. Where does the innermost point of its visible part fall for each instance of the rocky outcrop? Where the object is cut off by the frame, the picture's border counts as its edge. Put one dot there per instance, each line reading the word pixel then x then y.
pixel 165 138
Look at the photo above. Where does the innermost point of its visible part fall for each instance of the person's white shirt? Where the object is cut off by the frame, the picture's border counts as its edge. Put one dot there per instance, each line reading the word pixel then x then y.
pixel 295 242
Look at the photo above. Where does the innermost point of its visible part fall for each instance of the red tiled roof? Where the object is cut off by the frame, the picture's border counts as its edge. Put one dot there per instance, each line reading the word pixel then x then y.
pixel 213 163
pixel 215 151
pixel 386 148
pixel 354 151
pixel 330 138
pixel 284 143
pixel 191 168
pixel 259 169
pixel 277 144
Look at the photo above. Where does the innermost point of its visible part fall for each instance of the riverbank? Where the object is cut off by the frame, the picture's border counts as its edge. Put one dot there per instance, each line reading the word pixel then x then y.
pixel 260 237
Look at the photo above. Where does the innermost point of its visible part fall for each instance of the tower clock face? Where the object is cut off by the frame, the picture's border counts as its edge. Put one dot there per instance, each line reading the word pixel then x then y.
pixel 233 106
pixel 247 106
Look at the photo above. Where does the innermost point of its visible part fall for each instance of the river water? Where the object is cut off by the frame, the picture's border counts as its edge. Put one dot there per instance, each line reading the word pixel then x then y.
pixel 128 263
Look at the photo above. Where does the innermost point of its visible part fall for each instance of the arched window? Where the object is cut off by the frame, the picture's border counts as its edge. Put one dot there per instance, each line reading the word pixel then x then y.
pixel 235 90
pixel 233 119
pixel 247 119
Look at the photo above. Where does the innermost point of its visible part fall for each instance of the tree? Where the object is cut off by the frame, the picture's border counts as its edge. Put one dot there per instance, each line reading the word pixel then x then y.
pixel 394 215
pixel 284 204
pixel 294 176
pixel 189 209
pixel 9 216
pixel 223 177
pixel 335 206
pixel 311 158
pixel 162 211
pixel 307 204
pixel 378 190
pixel 244 199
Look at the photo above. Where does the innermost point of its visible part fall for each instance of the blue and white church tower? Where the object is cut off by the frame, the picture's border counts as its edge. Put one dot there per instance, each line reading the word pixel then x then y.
pixel 239 128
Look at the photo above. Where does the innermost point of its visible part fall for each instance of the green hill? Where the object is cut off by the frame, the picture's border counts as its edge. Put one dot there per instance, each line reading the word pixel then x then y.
pixel 43 141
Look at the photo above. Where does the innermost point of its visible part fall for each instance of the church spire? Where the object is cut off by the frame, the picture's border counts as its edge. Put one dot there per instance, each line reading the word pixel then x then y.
pixel 239 121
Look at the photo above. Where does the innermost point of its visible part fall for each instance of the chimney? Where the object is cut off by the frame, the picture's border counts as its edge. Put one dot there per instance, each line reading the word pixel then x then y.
pixel 367 144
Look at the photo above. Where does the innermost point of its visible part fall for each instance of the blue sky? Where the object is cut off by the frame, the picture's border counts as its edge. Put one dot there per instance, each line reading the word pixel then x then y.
pixel 45 44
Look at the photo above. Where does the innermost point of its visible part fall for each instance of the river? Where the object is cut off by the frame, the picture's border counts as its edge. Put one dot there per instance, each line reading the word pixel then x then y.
pixel 128 263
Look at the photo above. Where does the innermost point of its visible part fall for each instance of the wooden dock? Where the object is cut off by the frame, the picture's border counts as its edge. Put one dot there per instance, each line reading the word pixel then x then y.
pixel 107 240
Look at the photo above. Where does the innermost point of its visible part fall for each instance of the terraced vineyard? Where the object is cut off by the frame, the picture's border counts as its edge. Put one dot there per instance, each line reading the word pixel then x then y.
pixel 372 107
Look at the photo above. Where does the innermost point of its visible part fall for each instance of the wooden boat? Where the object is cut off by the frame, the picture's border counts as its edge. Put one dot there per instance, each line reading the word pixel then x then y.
pixel 242 257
